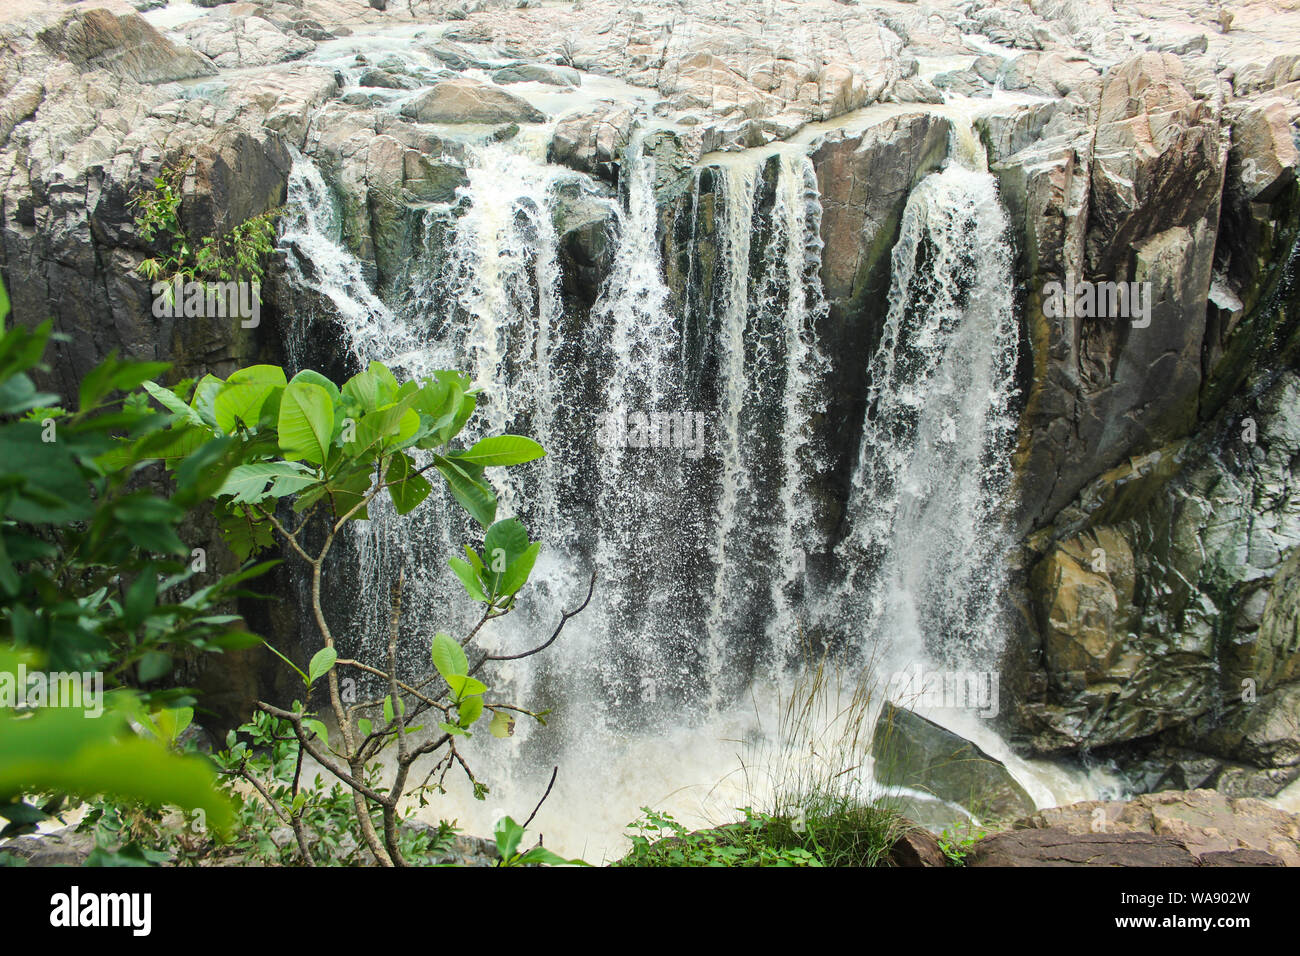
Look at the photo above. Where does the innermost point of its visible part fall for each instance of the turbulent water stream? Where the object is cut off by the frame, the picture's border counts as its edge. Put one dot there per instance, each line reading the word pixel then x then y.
pixel 680 668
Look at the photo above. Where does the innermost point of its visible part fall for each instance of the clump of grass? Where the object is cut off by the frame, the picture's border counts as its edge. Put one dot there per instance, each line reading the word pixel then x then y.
pixel 811 782
pixel 822 796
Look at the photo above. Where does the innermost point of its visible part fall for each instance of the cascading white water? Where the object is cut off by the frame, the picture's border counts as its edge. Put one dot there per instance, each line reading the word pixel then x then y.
pixel 932 478
pixel 768 371
pixel 311 237
pixel 700 562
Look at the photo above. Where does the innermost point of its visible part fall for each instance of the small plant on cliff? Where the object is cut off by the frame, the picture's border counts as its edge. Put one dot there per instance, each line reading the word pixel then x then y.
pixel 238 254
pixel 313 458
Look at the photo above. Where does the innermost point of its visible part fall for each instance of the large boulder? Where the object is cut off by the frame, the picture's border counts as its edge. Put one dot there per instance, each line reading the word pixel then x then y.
pixel 913 752
pixel 1053 847
pixel 538 73
pixel 592 140
pixel 1127 190
pixel 470 101
pixel 122 44
pixel 235 42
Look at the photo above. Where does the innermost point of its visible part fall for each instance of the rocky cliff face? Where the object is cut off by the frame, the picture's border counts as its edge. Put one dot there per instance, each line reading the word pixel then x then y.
pixel 1158 578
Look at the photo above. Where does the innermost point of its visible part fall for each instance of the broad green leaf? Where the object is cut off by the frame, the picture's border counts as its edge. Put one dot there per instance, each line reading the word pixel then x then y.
pixel 259 374
pixel 140 597
pixel 172 402
pixel 469 579
pixel 516 575
pixel 405 486
pixel 171 722
pixel 18 394
pixel 316 378
pixel 241 403
pixel 153 665
pixel 462 686
pixel 501 450
pixel 321 663
pixel 318 728
pixel 204 395
pixel 540 854
pixel 389 713
pixel 248 483
pixel 470 710
pixel 373 388
pixel 474 496
pixel 508 834
pixel 306 422
pixel 385 428
pixel 505 542
pixel 448 656
pixel 61 750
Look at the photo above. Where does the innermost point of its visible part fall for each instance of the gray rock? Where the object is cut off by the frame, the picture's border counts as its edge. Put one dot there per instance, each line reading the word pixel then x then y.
pixel 469 101
pixel 64 847
pixel 125 45
pixel 591 141
pixel 916 753
pixel 238 42
pixel 538 73
pixel 385 80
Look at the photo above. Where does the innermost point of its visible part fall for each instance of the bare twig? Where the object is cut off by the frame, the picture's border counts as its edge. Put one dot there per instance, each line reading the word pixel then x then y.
pixel 564 619
pixel 554 772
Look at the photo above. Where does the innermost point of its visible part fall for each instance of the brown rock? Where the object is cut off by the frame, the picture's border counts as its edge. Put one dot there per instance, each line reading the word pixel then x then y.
pixel 917 847
pixel 1060 847
pixel 1201 821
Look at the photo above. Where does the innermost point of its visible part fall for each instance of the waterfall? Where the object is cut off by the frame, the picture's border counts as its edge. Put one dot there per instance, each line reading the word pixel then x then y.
pixel 932 479
pixel 690 495
pixel 768 369
pixel 311 238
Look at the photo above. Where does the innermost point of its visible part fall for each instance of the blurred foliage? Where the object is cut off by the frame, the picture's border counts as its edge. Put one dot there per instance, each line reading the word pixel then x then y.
pixel 96 580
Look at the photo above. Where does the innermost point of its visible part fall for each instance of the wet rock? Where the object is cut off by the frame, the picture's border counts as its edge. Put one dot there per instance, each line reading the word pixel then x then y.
pixel 911 751
pixel 1264 155
pixel 917 848
pixel 470 101
pixel 1208 524
pixel 538 73
pixel 385 80
pixel 1133 195
pixel 455 57
pixel 915 90
pixel 1084 589
pixel 591 141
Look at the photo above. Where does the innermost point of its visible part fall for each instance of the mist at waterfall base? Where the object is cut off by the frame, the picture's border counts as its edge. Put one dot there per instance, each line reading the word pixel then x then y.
pixel 676 675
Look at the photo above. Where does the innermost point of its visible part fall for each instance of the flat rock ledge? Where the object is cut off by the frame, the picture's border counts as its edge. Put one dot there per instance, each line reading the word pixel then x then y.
pixel 1170 828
